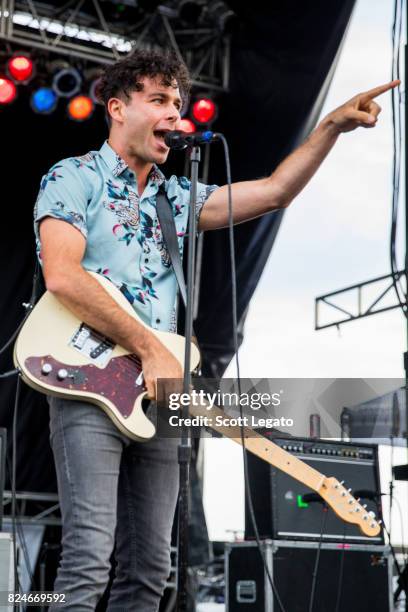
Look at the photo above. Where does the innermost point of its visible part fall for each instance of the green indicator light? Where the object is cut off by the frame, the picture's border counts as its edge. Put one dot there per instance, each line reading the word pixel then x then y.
pixel 301 503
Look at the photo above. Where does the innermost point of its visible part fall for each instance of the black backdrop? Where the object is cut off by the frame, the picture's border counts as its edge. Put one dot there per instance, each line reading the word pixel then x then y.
pixel 282 56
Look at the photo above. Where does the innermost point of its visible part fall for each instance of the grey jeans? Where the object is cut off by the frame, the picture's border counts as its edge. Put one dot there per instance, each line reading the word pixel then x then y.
pixel 111 490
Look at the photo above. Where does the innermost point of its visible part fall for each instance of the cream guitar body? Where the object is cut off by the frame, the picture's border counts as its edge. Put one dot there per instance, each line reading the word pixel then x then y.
pixel 59 355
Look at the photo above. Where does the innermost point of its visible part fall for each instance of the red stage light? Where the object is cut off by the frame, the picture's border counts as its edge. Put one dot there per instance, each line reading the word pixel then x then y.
pixel 80 108
pixel 21 68
pixel 204 110
pixel 186 125
pixel 8 91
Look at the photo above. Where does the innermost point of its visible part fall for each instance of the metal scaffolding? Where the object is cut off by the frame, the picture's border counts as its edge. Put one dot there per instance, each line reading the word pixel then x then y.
pixel 83 29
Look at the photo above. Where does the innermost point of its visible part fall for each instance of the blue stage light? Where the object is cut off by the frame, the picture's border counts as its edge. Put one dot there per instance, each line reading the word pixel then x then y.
pixel 44 100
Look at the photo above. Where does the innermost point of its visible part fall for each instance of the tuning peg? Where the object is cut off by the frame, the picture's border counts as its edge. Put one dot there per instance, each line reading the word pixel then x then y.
pixel 358 499
pixel 357 509
pixel 364 505
pixel 342 482
pixel 380 522
pixel 372 514
pixel 351 501
pixel 365 517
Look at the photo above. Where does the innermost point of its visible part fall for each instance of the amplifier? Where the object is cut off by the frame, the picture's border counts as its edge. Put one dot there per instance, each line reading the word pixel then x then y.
pixel 277 498
pixel 349 577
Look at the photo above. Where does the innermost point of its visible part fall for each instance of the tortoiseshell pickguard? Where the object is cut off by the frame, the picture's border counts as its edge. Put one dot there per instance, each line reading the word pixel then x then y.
pixel 116 382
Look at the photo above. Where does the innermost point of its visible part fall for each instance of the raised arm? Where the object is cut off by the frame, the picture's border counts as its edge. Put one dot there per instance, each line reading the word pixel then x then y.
pixel 62 250
pixel 255 198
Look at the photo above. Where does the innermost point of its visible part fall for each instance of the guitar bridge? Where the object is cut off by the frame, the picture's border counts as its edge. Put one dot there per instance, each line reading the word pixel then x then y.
pixel 90 343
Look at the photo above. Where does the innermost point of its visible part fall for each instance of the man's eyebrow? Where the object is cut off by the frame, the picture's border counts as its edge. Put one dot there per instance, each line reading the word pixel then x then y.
pixel 164 95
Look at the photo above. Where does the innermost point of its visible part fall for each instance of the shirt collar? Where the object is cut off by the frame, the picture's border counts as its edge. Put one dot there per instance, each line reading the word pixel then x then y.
pixel 117 165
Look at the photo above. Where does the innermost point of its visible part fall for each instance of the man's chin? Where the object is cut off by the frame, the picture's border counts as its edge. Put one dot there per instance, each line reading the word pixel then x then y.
pixel 160 158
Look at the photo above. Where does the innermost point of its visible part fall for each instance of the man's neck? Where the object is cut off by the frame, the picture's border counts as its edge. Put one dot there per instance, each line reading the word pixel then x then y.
pixel 141 169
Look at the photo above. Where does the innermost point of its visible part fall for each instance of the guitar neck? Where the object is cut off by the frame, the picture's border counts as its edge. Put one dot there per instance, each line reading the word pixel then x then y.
pixel 261 447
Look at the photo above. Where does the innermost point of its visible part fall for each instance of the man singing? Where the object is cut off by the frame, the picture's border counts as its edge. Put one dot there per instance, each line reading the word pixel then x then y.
pixel 97 212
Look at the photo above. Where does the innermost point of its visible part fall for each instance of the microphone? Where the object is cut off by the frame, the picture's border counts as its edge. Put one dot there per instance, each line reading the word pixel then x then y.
pixel 180 140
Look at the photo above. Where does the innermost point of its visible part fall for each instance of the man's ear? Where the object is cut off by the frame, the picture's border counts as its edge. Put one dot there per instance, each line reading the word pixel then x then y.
pixel 115 109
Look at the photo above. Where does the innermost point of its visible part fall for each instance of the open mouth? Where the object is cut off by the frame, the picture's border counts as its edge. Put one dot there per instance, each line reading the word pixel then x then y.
pixel 159 135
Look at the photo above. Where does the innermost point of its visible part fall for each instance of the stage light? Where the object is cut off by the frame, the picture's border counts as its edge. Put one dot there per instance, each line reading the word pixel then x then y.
pixel 80 108
pixel 44 100
pixel 204 110
pixel 20 68
pixel 67 82
pixel 186 125
pixel 92 91
pixel 8 91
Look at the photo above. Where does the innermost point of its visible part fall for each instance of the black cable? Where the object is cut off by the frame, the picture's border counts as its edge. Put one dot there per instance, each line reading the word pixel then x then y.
pixel 13 486
pixel 29 306
pixel 14 334
pixel 21 535
pixel 8 374
pixel 403 549
pixel 341 571
pixel 317 560
pixel 235 341
pixel 393 553
pixel 397 147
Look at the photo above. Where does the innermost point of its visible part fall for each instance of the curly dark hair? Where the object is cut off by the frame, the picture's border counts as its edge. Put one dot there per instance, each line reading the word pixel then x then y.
pixel 118 80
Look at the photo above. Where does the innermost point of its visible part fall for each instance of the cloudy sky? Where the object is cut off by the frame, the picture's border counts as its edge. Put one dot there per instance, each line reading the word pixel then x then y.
pixel 335 234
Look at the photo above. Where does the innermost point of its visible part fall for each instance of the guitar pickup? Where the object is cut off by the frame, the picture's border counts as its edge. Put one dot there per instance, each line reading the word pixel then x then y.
pixel 91 345
pixel 101 348
pixel 81 337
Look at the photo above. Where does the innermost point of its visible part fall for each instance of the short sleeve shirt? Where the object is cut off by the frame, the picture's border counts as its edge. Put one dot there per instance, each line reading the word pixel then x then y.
pixel 97 194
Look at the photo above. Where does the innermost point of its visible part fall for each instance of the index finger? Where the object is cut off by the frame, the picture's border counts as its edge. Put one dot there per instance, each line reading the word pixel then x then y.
pixel 377 91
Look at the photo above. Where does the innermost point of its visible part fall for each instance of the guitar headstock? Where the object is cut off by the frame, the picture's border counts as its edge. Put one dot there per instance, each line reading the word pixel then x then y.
pixel 348 508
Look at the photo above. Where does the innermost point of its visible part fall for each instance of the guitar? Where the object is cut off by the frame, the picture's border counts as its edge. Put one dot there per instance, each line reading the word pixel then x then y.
pixel 58 354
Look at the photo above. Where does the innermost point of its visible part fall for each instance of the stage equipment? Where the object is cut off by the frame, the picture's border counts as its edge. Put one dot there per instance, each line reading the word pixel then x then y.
pixel 103 32
pixel 92 91
pixel 6 565
pixel 8 91
pixel 67 82
pixel 282 506
pixel 360 576
pixel 80 108
pixel 204 110
pixel 178 140
pixel 186 125
pixel 21 68
pixel 3 446
pixel 44 101
pixel 382 418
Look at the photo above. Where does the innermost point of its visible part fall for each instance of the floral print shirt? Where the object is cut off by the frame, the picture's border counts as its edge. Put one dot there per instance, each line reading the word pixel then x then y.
pixel 97 194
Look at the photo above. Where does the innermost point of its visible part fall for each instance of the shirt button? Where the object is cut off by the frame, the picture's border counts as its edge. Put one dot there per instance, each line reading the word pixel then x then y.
pixel 157 320
pixel 146 260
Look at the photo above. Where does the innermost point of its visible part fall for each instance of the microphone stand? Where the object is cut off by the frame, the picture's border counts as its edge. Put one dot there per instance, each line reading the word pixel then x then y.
pixel 184 448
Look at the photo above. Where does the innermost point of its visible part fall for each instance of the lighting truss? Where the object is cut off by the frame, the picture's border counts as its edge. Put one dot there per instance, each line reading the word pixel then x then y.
pixel 361 300
pixel 84 29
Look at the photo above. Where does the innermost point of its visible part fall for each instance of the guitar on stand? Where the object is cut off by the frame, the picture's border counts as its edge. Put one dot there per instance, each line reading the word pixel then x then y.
pixel 58 354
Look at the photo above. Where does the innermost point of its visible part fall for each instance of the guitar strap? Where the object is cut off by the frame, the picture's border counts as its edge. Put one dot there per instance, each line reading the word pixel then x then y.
pixel 168 227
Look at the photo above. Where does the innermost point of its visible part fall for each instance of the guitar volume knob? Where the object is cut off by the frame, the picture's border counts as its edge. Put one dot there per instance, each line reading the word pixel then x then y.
pixel 62 374
pixel 46 369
